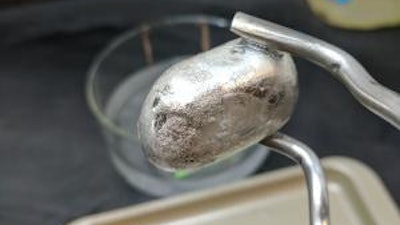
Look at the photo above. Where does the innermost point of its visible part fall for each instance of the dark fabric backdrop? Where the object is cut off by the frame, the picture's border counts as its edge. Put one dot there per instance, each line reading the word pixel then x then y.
pixel 54 166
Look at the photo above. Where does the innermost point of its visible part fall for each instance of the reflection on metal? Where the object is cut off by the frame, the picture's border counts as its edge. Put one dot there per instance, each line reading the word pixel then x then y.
pixel 147 47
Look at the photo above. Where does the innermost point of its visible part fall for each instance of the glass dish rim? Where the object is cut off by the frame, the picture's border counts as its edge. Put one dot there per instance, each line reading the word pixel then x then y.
pixel 115 42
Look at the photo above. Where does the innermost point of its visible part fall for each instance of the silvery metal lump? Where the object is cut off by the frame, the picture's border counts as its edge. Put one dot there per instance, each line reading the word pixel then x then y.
pixel 219 102
pixel 216 103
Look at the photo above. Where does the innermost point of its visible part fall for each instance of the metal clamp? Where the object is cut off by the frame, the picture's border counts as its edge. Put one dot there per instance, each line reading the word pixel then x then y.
pixel 316 184
pixel 375 97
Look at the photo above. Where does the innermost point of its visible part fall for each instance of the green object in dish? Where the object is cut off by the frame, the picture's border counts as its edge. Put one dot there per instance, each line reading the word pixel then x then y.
pixel 181 174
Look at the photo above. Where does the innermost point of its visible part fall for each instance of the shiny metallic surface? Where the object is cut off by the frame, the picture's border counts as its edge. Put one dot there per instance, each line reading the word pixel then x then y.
pixel 226 99
pixel 217 103
pixel 315 178
pixel 375 97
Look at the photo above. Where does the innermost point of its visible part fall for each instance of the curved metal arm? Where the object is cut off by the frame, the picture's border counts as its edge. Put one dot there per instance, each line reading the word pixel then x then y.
pixel 377 98
pixel 316 184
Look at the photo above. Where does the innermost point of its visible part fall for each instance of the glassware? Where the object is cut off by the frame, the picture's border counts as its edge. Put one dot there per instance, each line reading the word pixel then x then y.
pixel 118 81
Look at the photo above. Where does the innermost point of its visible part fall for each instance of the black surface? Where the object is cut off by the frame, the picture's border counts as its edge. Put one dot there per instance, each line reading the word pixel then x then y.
pixel 54 166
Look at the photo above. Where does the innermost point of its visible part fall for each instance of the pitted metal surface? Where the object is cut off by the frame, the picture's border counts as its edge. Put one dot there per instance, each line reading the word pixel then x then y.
pixel 217 103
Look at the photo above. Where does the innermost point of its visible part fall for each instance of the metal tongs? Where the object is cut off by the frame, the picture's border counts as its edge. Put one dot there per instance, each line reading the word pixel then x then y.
pixel 196 114
pixel 375 97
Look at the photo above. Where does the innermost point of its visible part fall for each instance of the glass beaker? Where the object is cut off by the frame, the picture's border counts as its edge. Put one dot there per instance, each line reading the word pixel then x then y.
pixel 120 78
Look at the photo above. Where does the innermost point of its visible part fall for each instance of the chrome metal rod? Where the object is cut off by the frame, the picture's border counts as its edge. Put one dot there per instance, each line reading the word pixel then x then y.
pixel 316 184
pixel 375 97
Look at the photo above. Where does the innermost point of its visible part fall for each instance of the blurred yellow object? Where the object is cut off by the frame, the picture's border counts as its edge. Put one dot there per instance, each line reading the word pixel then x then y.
pixel 358 14
pixel 356 193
